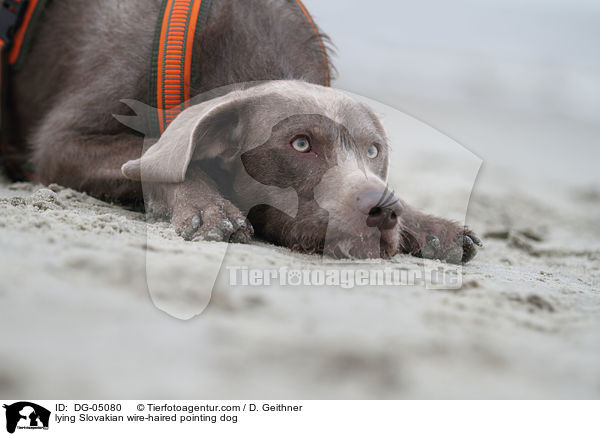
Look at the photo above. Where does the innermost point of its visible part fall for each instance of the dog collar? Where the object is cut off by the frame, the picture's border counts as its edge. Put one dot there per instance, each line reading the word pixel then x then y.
pixel 171 69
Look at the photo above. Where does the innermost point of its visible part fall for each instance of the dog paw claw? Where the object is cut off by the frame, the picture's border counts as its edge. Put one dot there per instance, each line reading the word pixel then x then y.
pixel 226 227
pixel 432 247
pixel 196 222
pixel 475 239
pixel 469 243
pixel 189 228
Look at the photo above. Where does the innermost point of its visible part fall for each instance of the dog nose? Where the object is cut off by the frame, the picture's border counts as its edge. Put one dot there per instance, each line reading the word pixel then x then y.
pixel 384 218
pixel 381 207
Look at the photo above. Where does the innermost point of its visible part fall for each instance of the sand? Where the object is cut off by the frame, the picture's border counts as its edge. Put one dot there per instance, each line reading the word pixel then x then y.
pixel 78 320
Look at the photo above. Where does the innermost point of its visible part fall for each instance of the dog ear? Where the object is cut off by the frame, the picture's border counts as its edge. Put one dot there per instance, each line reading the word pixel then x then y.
pixel 215 128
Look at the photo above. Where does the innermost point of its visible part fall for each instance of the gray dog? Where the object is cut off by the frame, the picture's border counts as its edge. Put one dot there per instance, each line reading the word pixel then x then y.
pixel 225 168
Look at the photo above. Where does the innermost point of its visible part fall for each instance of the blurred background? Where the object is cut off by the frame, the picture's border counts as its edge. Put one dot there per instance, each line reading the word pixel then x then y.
pixel 516 82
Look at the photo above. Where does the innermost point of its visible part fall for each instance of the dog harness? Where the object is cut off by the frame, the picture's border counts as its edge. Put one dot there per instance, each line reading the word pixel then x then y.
pixel 171 69
pixel 18 19
pixel 178 23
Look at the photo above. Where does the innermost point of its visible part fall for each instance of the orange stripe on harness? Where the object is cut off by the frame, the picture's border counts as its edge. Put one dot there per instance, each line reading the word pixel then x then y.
pixel 174 59
pixel 15 51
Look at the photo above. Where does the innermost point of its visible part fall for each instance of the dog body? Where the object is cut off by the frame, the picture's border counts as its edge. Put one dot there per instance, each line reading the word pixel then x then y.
pixel 304 163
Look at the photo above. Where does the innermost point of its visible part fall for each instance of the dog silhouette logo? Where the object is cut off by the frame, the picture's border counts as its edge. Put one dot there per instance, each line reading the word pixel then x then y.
pixel 26 415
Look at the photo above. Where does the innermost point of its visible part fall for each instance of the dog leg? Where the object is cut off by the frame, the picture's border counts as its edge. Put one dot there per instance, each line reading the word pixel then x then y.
pixel 198 210
pixel 90 163
pixel 432 237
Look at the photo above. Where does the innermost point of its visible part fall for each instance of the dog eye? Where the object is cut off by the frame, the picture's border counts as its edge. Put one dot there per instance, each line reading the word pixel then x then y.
pixel 301 144
pixel 372 152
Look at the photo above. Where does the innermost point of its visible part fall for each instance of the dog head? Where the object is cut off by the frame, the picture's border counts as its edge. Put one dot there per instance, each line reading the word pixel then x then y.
pixel 308 163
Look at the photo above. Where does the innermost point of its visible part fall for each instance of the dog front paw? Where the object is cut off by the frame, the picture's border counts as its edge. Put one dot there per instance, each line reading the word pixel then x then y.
pixel 452 245
pixel 214 222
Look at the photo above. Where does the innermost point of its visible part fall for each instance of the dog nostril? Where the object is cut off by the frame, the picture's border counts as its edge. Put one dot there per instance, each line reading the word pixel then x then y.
pixel 375 211
pixel 389 221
